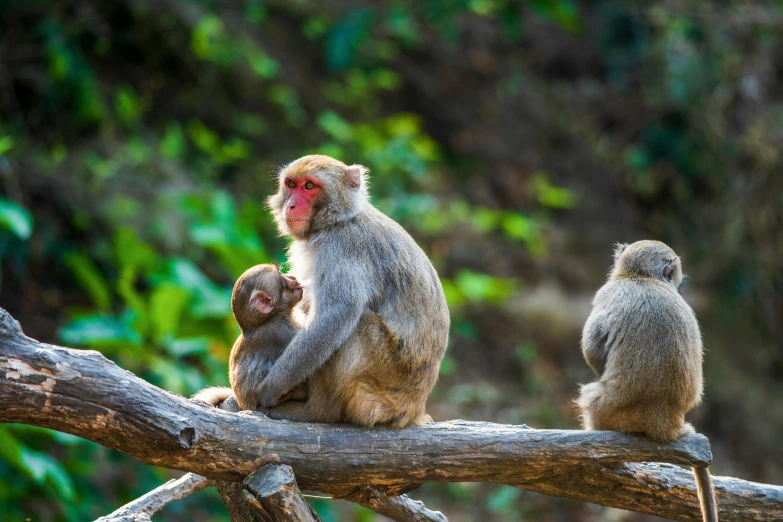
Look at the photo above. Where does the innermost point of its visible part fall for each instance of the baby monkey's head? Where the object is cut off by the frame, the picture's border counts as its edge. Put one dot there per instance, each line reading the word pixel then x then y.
pixel 261 293
pixel 647 258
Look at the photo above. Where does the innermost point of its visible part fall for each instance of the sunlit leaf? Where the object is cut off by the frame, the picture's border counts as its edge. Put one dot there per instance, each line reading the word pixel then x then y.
pixel 335 126
pixel 6 144
pixel 207 37
pixel 168 303
pixel 483 287
pixel 173 143
pixel 518 226
pixel 15 218
pixel 131 252
pixel 191 346
pixel 43 468
pixel 210 300
pixel 454 296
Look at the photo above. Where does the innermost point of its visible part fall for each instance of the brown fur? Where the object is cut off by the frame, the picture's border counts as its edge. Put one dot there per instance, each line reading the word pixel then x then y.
pixel 643 341
pixel 376 322
pixel 264 336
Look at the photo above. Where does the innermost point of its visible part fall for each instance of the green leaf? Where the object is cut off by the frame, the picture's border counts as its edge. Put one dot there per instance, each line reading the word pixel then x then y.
pixel 6 144
pixel 39 466
pixel 131 252
pixel 448 365
pixel 185 347
pixel 210 300
pixel 90 279
pixel 549 195
pixel 502 500
pixel 335 125
pixel 173 143
pixel 43 468
pixel 485 219
pixel 518 226
pixel 16 218
pixel 261 63
pixel 208 37
pixel 454 296
pixel 98 329
pixel 138 319
pixel 127 105
pixel 168 303
pixel 483 287
pixel 346 36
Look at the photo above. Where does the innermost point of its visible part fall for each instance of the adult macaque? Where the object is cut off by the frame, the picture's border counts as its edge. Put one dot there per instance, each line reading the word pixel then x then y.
pixel 262 301
pixel 643 341
pixel 376 324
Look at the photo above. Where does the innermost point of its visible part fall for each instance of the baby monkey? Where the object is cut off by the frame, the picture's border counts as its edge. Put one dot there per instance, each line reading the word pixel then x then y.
pixel 643 341
pixel 262 301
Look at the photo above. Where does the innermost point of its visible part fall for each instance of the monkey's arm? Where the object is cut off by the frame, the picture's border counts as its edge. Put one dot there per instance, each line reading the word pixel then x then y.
pixel 339 298
pixel 595 344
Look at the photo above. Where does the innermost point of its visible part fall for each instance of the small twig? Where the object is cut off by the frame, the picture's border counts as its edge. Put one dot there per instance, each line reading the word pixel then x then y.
pixel 141 509
pixel 273 489
pixel 399 509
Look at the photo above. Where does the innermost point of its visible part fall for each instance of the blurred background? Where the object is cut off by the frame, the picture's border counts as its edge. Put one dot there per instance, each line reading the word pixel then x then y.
pixel 516 141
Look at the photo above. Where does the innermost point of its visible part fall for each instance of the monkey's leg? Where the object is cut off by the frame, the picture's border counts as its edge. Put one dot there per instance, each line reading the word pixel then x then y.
pixel 293 410
pixel 706 494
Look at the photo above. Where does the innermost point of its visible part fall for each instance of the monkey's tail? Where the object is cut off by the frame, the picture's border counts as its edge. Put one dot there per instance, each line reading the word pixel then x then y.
pixel 214 395
pixel 706 493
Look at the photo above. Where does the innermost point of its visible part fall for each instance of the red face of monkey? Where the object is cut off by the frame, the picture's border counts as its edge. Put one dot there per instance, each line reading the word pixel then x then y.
pixel 301 194
pixel 316 192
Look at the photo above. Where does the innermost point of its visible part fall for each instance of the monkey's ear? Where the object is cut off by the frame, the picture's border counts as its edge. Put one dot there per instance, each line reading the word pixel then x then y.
pixel 619 248
pixel 262 302
pixel 668 269
pixel 357 175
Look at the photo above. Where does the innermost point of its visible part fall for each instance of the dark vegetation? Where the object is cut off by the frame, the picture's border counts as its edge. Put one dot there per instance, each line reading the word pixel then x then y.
pixel 516 140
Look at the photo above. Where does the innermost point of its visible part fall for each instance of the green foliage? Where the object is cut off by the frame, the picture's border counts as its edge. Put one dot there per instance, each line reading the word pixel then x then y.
pixel 143 143
pixel 15 218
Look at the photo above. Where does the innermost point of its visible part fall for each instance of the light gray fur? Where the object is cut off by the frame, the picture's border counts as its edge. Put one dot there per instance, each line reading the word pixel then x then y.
pixel 361 270
pixel 643 341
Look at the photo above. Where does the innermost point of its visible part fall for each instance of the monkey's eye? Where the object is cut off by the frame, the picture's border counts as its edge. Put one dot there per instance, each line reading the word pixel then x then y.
pixel 309 185
pixel 290 183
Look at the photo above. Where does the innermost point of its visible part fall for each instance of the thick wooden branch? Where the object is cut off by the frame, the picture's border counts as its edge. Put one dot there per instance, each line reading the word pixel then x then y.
pixel 141 509
pixel 274 488
pixel 83 393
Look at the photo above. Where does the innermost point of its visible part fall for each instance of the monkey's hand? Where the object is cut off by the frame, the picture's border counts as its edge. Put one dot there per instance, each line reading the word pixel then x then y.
pixel 272 393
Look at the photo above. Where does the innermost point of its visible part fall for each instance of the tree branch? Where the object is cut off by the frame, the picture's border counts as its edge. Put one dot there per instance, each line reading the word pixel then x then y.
pixel 141 509
pixel 82 393
pixel 273 488
pixel 399 508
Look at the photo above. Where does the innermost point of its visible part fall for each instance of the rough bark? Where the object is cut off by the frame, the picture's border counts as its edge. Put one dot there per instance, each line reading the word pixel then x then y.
pixel 82 393
pixel 141 509
pixel 399 509
pixel 274 488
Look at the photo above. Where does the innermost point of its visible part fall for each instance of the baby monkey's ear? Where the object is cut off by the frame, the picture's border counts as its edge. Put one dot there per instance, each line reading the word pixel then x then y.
pixel 668 269
pixel 262 302
pixel 619 248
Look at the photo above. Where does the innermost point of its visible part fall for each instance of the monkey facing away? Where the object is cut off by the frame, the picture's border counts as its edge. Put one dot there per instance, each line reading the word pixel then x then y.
pixel 262 301
pixel 376 322
pixel 643 341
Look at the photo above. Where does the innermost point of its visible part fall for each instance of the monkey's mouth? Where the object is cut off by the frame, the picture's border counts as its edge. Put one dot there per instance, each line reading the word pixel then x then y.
pixel 298 291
